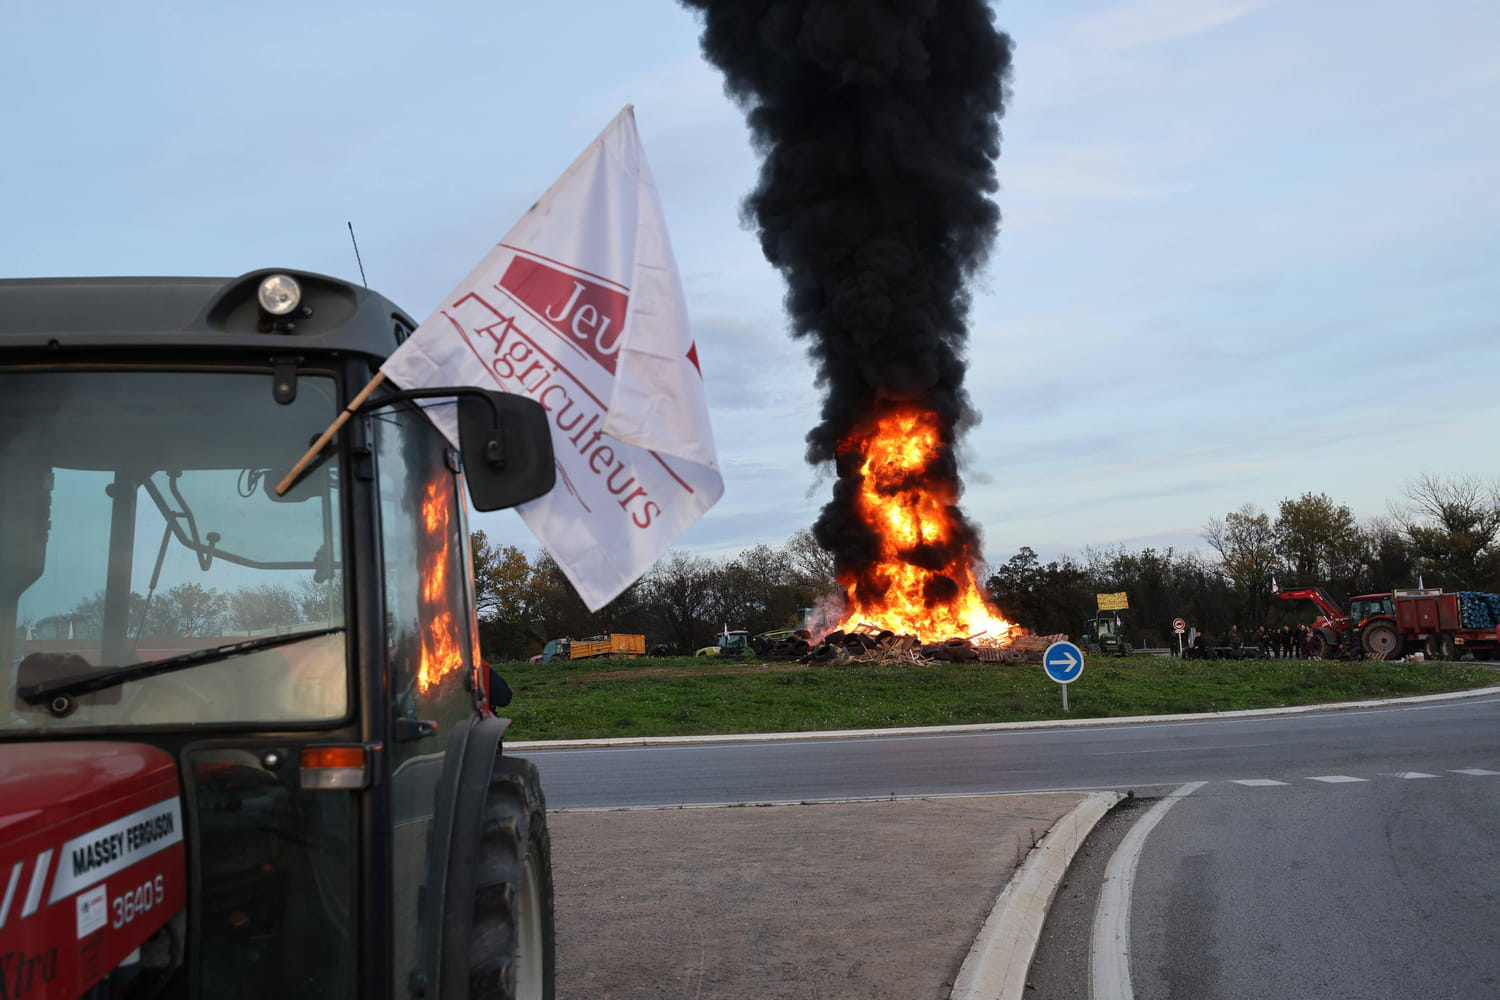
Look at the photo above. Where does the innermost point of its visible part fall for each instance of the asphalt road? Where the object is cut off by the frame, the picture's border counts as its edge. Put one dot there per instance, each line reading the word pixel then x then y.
pixel 1383 883
pixel 1434 736
pixel 1342 854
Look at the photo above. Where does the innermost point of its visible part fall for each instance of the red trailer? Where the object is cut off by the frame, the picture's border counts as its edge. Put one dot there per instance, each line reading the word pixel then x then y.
pixel 1432 621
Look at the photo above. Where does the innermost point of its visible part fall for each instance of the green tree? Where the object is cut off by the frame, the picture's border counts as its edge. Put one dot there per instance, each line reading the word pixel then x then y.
pixel 1046 599
pixel 1320 542
pixel 505 601
pixel 502 581
pixel 1161 585
pixel 556 609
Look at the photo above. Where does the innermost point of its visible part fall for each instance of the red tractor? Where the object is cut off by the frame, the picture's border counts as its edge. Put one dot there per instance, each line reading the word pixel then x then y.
pixel 247 747
pixel 1443 626
pixel 1337 633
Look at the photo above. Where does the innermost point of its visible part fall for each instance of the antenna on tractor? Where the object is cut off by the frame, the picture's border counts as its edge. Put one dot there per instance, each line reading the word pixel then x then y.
pixel 356 254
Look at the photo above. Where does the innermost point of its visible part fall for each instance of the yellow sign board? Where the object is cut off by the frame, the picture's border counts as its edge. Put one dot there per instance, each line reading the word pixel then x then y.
pixel 1113 602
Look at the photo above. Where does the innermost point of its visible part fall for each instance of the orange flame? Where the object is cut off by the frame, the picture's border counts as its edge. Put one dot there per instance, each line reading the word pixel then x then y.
pixel 922 581
pixel 441 651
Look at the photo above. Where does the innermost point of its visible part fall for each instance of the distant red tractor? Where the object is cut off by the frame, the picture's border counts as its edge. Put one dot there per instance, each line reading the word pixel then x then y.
pixel 1443 626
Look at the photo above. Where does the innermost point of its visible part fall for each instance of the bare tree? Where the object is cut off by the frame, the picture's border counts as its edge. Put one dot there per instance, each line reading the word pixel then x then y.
pixel 812 563
pixel 678 595
pixel 1246 543
pixel 1451 525
pixel 188 609
pixel 266 606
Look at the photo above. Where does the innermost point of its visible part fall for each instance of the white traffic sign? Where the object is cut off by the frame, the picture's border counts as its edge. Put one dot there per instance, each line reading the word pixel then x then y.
pixel 1178 625
pixel 1063 662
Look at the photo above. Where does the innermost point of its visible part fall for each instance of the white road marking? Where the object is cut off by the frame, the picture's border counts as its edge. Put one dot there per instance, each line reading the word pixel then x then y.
pixel 1257 782
pixel 998 960
pixel 1334 778
pixel 1109 952
pixel 1220 746
pixel 1473 770
pixel 1411 774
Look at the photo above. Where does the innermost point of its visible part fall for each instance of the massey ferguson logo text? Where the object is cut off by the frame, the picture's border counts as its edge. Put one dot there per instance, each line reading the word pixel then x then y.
pixel 116 846
pixel 588 314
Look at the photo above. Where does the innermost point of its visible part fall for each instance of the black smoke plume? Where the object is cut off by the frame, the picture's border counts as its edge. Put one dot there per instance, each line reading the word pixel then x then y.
pixel 879 124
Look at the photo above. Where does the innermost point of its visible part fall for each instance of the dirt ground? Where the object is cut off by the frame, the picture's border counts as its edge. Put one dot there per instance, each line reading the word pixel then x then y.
pixel 865 900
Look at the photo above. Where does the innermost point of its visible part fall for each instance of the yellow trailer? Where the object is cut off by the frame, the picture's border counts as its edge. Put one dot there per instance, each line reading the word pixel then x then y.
pixel 595 646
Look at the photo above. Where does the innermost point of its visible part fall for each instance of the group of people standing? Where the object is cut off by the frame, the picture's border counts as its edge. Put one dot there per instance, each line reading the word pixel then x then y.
pixel 1292 642
pixel 1286 642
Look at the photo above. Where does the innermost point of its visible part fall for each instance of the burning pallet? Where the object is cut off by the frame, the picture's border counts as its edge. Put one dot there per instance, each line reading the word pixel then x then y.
pixel 867 643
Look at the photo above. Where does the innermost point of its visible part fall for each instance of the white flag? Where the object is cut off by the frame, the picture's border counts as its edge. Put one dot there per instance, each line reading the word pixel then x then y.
pixel 580 308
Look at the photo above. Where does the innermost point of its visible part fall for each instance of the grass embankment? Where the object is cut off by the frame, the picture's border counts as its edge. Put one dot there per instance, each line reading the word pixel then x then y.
pixel 687 696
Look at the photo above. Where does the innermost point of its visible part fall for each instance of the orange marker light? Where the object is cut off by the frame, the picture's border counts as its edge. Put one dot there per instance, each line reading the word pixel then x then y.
pixel 332 767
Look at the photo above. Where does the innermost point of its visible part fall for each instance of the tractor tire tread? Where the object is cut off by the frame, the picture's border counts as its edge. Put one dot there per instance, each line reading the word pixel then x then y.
pixel 513 825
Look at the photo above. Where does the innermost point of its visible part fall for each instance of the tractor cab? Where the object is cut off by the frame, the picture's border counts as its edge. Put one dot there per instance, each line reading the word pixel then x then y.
pixel 1361 609
pixel 245 743
pixel 1102 635
pixel 730 642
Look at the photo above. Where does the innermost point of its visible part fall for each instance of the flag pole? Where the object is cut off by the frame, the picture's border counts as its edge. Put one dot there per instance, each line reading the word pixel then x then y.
pixel 333 428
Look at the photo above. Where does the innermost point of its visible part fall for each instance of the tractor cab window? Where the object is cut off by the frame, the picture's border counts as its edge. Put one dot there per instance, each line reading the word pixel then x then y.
pixel 431 654
pixel 1368 607
pixel 138 526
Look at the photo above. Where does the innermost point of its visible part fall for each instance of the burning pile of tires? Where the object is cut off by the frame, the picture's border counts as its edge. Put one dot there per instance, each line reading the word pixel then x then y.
pixel 871 644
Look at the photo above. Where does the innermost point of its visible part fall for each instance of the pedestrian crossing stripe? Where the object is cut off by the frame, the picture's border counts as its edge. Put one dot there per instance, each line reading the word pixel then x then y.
pixel 1338 779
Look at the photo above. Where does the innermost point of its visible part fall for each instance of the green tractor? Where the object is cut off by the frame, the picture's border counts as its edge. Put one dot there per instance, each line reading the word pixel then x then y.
pixel 730 642
pixel 1102 635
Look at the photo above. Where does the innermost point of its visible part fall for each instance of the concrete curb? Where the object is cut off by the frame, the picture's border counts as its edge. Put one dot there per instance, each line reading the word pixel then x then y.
pixel 1000 957
pixel 986 727
pixel 1109 941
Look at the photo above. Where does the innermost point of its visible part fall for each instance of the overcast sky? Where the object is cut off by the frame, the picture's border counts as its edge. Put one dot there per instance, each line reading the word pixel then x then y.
pixel 1250 248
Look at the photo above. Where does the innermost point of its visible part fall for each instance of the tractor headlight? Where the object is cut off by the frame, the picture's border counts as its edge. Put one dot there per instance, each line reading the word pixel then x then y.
pixel 279 294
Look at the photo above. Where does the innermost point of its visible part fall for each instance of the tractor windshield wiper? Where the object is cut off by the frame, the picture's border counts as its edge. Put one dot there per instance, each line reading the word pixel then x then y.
pixel 62 695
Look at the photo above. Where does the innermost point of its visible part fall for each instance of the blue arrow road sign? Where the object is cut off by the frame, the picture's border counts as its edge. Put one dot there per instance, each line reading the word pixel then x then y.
pixel 1063 662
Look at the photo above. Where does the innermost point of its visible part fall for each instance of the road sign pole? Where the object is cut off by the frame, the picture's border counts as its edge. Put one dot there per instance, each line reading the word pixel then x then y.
pixel 1063 662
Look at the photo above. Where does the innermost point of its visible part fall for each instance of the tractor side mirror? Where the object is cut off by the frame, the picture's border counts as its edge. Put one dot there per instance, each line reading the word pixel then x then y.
pixel 509 462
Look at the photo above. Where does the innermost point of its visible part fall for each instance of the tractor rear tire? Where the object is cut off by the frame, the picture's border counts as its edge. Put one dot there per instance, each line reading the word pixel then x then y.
pixel 1447 648
pixel 1381 641
pixel 513 946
